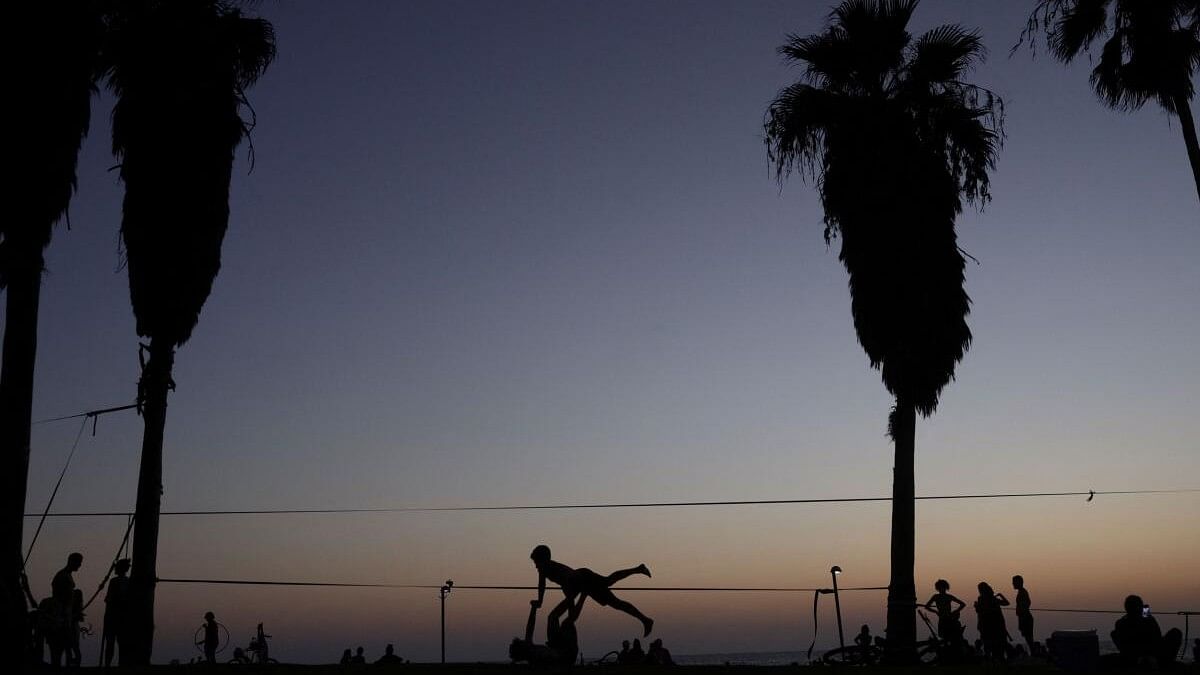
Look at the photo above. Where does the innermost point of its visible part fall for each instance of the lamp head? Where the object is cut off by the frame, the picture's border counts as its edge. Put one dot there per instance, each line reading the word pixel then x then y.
pixel 835 570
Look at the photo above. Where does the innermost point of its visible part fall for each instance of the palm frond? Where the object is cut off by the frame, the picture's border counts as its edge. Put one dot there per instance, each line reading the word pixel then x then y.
pixel 945 54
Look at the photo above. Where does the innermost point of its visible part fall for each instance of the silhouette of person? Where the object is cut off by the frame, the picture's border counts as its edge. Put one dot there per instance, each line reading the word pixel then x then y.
pixel 74 656
pixel 389 656
pixel 863 640
pixel 359 658
pixel 583 583
pixel 942 603
pixel 636 655
pixel 562 642
pixel 1138 637
pixel 992 628
pixel 115 601
pixel 623 655
pixel 346 657
pixel 57 613
pixel 658 654
pixel 1024 616
pixel 212 638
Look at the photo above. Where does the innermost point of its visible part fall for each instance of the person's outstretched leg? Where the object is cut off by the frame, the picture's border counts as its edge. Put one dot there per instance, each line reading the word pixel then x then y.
pixel 621 574
pixel 647 622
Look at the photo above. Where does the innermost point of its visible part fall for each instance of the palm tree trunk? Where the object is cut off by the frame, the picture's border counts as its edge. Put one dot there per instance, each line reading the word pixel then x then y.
pixel 1184 110
pixel 155 382
pixel 902 588
pixel 16 406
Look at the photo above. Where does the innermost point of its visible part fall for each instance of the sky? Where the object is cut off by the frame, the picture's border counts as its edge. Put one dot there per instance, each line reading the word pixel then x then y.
pixel 533 252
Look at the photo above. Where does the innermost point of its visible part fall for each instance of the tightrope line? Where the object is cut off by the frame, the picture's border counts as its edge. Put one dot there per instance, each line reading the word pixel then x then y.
pixel 1090 494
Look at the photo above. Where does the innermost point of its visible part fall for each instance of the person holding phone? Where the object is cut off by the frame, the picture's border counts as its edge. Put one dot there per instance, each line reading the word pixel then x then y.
pixel 1139 639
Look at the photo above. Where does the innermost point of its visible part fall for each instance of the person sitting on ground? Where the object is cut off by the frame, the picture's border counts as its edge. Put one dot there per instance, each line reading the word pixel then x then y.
pixel 346 658
pixel 359 658
pixel 389 656
pixel 636 655
pixel 863 641
pixel 992 628
pixel 1140 640
pixel 658 654
pixel 583 583
pixel 942 603
pixel 562 642
pixel 623 655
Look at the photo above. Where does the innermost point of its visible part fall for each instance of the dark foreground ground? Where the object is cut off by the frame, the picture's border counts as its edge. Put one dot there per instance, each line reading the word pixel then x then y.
pixel 507 669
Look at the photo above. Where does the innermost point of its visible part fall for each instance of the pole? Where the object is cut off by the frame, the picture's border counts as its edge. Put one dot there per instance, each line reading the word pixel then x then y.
pixel 837 603
pixel 442 593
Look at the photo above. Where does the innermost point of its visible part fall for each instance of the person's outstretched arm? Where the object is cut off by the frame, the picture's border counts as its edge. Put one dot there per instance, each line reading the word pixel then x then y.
pixel 537 604
pixel 930 605
pixel 1001 600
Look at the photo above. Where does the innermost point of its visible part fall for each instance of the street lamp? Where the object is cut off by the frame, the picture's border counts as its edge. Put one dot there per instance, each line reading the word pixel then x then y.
pixel 442 593
pixel 837 603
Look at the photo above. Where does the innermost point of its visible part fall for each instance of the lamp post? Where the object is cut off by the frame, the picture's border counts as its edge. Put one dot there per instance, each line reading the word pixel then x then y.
pixel 442 593
pixel 837 603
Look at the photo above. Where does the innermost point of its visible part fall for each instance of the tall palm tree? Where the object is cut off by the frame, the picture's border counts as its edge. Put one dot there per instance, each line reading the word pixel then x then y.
pixel 54 82
pixel 179 69
pixel 896 142
pixel 1150 52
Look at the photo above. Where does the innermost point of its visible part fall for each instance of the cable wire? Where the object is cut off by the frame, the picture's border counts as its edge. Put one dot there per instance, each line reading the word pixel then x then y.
pixel 669 589
pixel 1090 494
pixel 54 493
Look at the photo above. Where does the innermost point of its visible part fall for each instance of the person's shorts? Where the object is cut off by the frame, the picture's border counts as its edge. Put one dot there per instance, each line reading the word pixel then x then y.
pixel 590 584
pixel 1025 623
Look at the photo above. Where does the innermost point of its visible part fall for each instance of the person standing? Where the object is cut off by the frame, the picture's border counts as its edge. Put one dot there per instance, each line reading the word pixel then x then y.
pixel 1024 615
pixel 115 599
pixel 992 629
pixel 61 606
pixel 212 638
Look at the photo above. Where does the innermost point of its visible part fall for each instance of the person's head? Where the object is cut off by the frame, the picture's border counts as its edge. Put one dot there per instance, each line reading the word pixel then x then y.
pixel 122 567
pixel 210 617
pixel 942 586
pixel 389 650
pixel 637 644
pixel 1018 582
pixel 540 554
pixel 985 590
pixel 866 630
pixel 346 653
pixel 624 644
pixel 1133 605
pixel 359 651
pixel 75 561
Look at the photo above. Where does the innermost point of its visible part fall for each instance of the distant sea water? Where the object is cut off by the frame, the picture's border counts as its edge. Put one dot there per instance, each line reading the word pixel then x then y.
pixel 788 658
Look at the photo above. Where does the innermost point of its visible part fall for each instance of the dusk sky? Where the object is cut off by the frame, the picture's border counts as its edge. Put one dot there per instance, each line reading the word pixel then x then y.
pixel 533 252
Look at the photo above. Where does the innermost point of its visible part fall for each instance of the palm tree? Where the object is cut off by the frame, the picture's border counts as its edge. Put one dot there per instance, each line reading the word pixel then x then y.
pixel 896 141
pixel 54 84
pixel 179 69
pixel 1151 51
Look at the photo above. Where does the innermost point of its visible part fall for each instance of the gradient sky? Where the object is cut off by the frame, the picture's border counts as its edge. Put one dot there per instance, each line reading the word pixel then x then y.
pixel 532 252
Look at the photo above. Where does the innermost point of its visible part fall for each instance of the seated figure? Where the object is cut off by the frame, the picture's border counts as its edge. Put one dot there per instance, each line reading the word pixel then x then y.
pixel 1140 640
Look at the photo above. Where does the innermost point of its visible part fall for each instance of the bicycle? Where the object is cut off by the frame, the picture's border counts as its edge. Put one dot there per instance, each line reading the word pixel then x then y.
pixel 257 652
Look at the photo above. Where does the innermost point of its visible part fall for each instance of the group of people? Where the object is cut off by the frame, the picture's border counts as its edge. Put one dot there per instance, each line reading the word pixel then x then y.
pixel 632 655
pixel 56 622
pixel 994 638
pixel 359 658
pixel 562 639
